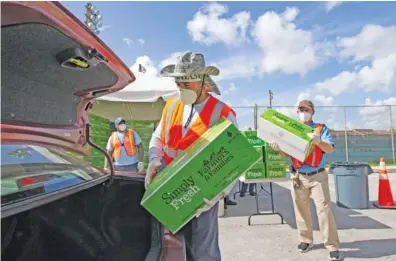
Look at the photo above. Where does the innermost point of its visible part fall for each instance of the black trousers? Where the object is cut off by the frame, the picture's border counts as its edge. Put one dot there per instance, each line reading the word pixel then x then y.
pixel 245 186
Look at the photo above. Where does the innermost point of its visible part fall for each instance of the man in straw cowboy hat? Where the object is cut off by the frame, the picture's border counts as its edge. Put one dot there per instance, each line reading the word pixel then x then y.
pixel 183 121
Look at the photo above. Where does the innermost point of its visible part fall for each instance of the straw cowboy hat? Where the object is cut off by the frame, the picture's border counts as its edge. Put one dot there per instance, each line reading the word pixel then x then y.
pixel 191 67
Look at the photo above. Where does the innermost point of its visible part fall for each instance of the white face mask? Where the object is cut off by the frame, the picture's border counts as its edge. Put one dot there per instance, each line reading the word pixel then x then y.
pixel 187 96
pixel 304 116
pixel 122 127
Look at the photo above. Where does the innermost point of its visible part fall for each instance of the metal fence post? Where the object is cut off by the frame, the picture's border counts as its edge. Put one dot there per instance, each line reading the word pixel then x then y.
pixel 255 109
pixel 346 136
pixel 391 133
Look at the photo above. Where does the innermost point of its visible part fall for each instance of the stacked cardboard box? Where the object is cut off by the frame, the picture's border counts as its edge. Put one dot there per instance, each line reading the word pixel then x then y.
pixel 253 139
pixel 213 162
pixel 275 163
pixel 257 172
pixel 272 164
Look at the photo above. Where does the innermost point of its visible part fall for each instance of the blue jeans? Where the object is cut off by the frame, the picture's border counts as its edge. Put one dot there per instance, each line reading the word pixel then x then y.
pixel 130 168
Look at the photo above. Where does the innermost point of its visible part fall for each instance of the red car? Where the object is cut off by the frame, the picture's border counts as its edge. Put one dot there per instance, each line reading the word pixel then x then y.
pixel 55 207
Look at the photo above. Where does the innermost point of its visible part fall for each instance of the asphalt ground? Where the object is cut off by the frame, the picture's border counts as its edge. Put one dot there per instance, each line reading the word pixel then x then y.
pixel 367 234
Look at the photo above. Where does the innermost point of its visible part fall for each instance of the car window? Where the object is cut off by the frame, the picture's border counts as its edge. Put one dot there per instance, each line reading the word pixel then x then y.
pixel 28 171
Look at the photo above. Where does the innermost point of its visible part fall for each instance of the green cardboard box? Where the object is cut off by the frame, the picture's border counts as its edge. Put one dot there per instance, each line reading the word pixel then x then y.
pixel 291 135
pixel 275 170
pixel 260 150
pixel 251 136
pixel 272 155
pixel 213 162
pixel 254 174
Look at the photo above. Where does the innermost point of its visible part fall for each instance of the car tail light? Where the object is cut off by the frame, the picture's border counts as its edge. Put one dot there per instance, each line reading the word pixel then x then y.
pixel 27 181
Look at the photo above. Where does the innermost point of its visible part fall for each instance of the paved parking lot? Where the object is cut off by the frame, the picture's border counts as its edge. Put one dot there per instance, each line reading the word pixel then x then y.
pixel 368 234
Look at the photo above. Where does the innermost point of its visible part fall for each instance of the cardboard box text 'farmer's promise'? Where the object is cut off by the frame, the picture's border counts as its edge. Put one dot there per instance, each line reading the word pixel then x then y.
pixel 291 135
pixel 204 170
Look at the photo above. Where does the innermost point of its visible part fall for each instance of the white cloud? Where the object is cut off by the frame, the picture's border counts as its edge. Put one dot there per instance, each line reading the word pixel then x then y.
pixel 327 101
pixel 285 48
pixel 238 66
pixel 141 41
pixel 376 107
pixel 105 27
pixel 209 26
pixel 232 88
pixel 374 44
pixel 330 5
pixel 128 41
pixel 149 80
pixel 171 59
pixel 376 114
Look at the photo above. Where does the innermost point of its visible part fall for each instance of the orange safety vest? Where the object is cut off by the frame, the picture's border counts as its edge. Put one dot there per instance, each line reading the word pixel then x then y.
pixel 314 158
pixel 129 144
pixel 172 124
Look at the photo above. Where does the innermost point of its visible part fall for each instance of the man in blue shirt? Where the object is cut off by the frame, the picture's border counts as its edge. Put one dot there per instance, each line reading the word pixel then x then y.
pixel 311 178
pixel 126 148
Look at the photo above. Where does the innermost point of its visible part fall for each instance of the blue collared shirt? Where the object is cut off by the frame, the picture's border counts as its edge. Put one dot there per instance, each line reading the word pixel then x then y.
pixel 125 159
pixel 325 136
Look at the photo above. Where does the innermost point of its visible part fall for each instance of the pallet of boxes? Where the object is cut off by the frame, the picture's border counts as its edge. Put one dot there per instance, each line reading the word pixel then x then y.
pixel 205 169
pixel 271 166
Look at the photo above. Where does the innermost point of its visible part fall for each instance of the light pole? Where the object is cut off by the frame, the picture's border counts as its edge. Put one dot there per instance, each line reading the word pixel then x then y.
pixel 271 96
pixel 93 18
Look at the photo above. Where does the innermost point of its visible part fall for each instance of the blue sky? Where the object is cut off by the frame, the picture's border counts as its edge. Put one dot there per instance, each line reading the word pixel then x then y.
pixel 332 53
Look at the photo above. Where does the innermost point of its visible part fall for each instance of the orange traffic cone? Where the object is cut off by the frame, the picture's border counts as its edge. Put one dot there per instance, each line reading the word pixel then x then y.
pixel 385 197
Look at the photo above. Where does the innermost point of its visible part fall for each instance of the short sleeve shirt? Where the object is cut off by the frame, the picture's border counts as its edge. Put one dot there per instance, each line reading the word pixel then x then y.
pixel 325 136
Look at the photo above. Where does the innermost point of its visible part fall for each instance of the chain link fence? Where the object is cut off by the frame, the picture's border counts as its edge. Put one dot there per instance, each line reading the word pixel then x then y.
pixel 361 133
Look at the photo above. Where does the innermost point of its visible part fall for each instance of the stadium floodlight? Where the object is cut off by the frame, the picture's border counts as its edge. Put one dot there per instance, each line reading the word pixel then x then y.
pixel 93 18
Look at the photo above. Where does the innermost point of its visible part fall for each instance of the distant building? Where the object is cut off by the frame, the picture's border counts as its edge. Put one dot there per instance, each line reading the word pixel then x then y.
pixel 366 145
pixel 360 132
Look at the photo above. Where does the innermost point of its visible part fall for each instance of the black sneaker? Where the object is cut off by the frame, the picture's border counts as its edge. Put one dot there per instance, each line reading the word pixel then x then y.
pixel 335 255
pixel 229 202
pixel 304 247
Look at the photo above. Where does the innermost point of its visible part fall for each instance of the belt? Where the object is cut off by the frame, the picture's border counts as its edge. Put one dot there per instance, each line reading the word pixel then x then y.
pixel 310 173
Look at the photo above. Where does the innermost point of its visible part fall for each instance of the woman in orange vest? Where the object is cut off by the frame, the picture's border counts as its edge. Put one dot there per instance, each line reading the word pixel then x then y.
pixel 126 148
pixel 311 178
pixel 184 119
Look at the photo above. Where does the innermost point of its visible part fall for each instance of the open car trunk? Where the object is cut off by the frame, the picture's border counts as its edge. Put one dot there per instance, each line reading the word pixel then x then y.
pixel 98 224
pixel 53 67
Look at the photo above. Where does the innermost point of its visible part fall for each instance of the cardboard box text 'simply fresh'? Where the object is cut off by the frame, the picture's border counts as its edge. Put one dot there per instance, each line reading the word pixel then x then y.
pixel 213 162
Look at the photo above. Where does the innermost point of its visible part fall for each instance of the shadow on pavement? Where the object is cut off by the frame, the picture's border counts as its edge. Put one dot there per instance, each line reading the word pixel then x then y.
pixel 346 218
pixel 374 248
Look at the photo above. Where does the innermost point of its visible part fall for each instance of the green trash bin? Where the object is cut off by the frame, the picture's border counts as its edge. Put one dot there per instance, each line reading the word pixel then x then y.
pixel 351 184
